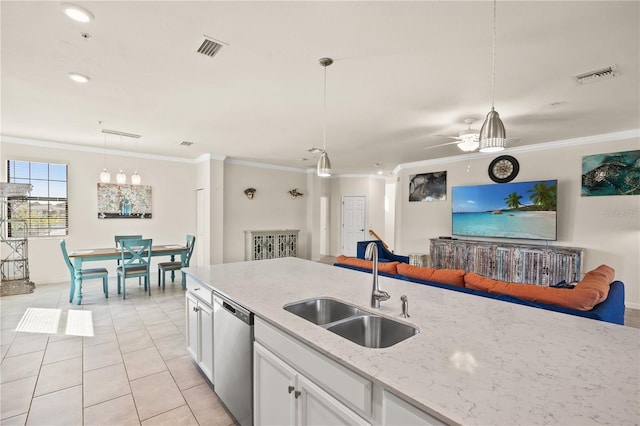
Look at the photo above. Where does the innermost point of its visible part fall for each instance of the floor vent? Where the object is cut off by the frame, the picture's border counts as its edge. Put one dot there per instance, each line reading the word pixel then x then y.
pixel 598 75
pixel 210 47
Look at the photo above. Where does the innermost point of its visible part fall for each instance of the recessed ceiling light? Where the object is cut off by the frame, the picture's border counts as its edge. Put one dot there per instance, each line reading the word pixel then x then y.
pixel 76 12
pixel 79 78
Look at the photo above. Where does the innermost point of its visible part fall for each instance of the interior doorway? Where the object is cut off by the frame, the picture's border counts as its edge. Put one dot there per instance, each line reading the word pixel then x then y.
pixel 353 222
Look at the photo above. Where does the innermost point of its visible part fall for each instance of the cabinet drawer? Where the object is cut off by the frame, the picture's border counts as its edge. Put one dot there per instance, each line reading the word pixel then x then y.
pixel 343 384
pixel 199 290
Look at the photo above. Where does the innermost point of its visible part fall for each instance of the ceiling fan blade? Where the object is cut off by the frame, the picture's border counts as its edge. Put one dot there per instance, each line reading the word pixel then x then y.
pixel 442 144
pixel 449 137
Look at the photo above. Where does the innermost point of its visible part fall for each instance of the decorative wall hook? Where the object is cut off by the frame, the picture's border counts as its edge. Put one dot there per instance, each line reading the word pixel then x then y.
pixel 249 192
pixel 295 193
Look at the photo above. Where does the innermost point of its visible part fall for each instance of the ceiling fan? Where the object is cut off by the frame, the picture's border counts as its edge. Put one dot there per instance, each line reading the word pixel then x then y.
pixel 468 140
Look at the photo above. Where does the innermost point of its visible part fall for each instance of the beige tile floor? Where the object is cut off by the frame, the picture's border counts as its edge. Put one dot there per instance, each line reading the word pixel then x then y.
pixel 135 370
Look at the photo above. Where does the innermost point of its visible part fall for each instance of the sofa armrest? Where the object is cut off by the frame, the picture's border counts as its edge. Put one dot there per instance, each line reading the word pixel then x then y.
pixel 383 253
pixel 612 308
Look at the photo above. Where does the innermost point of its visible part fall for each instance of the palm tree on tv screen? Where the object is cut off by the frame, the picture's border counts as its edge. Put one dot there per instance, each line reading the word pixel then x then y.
pixel 544 196
pixel 513 200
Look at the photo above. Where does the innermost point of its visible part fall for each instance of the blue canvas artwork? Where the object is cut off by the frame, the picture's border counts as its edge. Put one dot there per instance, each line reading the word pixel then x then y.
pixel 616 173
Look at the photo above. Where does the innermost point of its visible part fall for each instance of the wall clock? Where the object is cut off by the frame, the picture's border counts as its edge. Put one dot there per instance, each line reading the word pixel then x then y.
pixel 503 169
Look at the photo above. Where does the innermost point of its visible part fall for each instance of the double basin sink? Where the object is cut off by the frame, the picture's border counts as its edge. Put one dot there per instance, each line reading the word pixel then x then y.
pixel 359 326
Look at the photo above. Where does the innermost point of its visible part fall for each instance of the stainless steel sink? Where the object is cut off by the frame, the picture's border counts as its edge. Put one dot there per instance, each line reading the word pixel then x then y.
pixel 322 311
pixel 348 321
pixel 373 331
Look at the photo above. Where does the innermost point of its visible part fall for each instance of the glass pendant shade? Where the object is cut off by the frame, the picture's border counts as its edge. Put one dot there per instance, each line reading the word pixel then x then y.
pixel 493 137
pixel 121 178
pixel 136 178
pixel 105 176
pixel 324 165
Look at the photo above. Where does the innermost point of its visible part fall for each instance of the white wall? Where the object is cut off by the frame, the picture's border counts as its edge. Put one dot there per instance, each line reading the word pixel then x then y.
pixel 173 205
pixel 373 188
pixel 271 207
pixel 608 228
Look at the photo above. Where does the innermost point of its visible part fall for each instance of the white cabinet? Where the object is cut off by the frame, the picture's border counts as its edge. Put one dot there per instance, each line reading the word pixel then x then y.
pixel 270 244
pixel 199 333
pixel 397 412
pixel 283 396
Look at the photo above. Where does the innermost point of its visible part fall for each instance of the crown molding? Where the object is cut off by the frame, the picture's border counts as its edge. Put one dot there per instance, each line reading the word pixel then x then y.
pixel 264 166
pixel 97 150
pixel 606 137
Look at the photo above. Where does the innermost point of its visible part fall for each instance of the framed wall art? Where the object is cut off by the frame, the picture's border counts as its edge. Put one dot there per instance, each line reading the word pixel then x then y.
pixel 428 186
pixel 116 201
pixel 615 173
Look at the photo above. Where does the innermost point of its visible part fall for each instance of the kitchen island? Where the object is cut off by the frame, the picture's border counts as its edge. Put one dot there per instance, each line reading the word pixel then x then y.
pixel 475 360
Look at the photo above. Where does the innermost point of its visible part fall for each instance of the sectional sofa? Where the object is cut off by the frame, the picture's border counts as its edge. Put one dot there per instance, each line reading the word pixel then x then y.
pixel 597 296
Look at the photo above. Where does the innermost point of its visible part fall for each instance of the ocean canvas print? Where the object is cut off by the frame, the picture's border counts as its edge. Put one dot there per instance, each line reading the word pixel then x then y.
pixel 524 210
pixel 615 173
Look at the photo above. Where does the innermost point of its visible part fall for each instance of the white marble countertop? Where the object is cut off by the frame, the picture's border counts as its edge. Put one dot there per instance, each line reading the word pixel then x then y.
pixel 475 361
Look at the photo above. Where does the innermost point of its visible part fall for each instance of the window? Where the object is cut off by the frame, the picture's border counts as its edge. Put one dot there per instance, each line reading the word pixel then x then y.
pixel 44 212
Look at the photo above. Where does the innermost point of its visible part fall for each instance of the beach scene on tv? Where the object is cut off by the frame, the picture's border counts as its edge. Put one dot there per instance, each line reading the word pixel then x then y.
pixel 524 210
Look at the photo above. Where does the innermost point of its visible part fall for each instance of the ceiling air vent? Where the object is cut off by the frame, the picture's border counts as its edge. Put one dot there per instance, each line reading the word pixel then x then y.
pixel 210 47
pixel 598 75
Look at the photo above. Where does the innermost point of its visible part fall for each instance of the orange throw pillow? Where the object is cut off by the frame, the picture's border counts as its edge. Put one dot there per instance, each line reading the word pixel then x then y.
pixel 580 299
pixel 386 267
pixel 599 279
pixel 444 276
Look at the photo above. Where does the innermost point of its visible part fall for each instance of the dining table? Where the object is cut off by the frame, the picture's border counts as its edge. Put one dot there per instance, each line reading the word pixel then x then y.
pixel 79 257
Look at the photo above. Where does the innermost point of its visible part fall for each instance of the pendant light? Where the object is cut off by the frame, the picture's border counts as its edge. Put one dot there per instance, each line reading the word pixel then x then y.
pixel 324 165
pixel 105 176
pixel 493 137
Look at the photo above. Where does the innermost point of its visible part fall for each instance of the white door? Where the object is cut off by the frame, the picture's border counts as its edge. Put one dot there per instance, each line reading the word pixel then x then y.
pixel 353 223
pixel 200 229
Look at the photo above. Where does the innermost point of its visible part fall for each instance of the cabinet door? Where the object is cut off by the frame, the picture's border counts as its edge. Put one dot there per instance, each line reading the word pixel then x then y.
pixel 205 334
pixel 273 389
pixel 396 412
pixel 192 326
pixel 316 407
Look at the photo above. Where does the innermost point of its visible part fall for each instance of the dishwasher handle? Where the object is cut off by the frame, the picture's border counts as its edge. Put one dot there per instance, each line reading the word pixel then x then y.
pixel 228 307
pixel 234 309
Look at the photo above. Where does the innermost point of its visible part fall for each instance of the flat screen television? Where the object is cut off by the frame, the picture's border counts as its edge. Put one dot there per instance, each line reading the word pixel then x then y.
pixel 525 210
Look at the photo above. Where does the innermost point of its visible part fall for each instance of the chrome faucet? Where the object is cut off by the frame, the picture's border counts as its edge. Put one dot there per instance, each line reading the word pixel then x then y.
pixel 377 295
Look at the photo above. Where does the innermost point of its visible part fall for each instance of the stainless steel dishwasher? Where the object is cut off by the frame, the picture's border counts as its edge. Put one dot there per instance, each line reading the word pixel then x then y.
pixel 233 360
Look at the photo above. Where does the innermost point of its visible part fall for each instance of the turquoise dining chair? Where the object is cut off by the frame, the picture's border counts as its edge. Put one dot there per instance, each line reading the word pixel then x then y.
pixel 163 267
pixel 117 239
pixel 85 274
pixel 135 261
